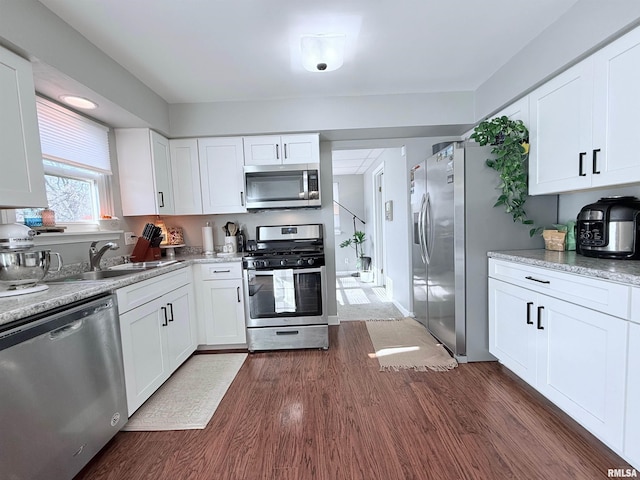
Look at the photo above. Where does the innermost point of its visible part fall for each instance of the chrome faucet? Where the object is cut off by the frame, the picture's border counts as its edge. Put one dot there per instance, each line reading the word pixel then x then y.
pixel 95 255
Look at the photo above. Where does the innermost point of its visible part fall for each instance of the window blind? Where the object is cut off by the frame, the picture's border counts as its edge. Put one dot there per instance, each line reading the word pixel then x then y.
pixel 70 138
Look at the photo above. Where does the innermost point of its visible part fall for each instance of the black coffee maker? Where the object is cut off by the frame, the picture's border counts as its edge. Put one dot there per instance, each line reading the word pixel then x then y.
pixel 609 228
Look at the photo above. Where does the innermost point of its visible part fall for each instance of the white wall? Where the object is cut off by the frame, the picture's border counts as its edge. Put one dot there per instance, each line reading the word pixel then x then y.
pixel 318 114
pixel 569 204
pixel 588 25
pixel 32 30
pixel 351 193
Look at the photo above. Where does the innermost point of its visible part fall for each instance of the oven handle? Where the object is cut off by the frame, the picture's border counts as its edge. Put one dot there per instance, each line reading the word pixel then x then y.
pixel 295 271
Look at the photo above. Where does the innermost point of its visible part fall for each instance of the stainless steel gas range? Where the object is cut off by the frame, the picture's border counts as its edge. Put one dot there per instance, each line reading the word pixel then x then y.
pixel 285 289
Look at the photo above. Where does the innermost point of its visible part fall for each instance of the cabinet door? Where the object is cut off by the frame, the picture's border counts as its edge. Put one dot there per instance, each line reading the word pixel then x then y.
pixel 616 107
pixel 221 175
pixel 632 420
pixel 181 326
pixel 300 148
pixel 223 310
pixel 162 169
pixel 581 366
pixel 560 132
pixel 512 332
pixel 185 177
pixel 22 179
pixel 144 353
pixel 262 150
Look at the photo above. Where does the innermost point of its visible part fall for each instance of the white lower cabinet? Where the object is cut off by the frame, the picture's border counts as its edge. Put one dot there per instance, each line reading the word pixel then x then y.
pixel 632 427
pixel 221 304
pixel 574 356
pixel 157 336
pixel 581 357
pixel 511 338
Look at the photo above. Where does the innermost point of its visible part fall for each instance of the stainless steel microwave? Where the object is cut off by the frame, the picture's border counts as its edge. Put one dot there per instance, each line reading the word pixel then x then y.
pixel 282 186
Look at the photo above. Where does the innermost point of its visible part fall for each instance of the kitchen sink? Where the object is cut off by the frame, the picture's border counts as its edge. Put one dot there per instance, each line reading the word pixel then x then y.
pixel 141 265
pixel 113 272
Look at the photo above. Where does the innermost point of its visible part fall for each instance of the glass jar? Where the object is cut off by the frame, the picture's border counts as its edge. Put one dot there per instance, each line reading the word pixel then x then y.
pixel 32 217
pixel 48 218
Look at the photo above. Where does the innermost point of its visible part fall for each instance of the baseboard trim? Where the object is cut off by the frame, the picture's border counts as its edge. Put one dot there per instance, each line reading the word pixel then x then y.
pixel 403 310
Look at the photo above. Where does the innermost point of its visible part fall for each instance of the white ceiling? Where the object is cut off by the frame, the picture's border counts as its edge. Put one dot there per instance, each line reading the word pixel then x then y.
pixel 192 51
pixel 354 162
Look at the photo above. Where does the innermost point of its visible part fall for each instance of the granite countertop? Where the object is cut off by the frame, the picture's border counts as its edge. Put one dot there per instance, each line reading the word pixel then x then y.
pixel 63 293
pixel 623 271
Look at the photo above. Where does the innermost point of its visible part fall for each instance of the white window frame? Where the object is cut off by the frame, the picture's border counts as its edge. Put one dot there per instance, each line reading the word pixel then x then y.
pixel 100 175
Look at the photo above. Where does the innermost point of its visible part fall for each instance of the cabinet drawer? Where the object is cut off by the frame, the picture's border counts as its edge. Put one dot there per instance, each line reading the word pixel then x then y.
pixel 221 271
pixel 600 295
pixel 277 338
pixel 133 296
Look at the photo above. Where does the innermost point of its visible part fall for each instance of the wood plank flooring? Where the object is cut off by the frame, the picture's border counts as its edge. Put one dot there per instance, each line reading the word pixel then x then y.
pixel 332 415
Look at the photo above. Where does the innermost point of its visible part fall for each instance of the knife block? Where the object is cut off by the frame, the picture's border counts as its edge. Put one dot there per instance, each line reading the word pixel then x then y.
pixel 143 252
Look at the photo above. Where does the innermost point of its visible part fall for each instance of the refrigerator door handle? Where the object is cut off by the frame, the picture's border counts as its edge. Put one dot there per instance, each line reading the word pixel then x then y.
pixel 427 225
pixel 421 229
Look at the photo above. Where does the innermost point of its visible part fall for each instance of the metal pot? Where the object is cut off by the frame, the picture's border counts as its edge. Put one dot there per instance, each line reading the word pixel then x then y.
pixel 25 268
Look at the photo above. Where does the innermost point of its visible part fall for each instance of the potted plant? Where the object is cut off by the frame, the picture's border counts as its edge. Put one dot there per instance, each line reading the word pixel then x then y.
pixel 356 241
pixel 510 142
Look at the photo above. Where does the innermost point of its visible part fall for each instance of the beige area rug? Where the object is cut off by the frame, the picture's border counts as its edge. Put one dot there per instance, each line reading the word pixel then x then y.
pixel 189 398
pixel 405 344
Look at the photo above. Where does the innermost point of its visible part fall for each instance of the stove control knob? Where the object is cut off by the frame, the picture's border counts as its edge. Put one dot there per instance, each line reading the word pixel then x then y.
pixel 300 262
pixel 283 262
pixel 262 263
pixel 311 261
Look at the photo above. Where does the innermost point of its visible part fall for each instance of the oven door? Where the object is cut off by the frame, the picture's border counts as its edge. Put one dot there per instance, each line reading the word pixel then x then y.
pixel 284 297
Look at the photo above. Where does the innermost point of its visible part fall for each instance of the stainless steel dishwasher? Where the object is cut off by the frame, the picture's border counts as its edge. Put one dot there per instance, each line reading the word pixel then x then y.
pixel 62 395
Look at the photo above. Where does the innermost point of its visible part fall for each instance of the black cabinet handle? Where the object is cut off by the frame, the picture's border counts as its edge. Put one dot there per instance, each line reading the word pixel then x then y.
pixel 238 292
pixel 242 198
pixel 529 322
pixel 581 156
pixel 277 152
pixel 594 166
pixel 287 332
pixel 540 327
pixel 285 149
pixel 164 309
pixel 171 309
pixel 537 280
pixel 161 199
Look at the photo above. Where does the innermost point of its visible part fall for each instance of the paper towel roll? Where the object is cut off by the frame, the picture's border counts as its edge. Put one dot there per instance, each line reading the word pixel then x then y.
pixel 207 239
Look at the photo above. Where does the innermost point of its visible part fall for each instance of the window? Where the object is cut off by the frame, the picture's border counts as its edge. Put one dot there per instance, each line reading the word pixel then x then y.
pixel 77 165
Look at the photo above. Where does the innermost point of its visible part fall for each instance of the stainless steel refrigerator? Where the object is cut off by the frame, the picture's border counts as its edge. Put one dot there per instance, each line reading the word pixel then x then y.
pixel 454 226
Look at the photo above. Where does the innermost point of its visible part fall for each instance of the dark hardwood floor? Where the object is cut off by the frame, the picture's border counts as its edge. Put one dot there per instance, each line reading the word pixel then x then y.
pixel 332 415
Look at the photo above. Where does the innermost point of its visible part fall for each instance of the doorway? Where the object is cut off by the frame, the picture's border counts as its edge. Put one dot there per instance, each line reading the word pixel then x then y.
pixel 379 255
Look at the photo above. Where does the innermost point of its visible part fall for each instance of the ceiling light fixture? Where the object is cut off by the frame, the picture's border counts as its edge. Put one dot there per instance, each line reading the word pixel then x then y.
pixel 322 53
pixel 78 102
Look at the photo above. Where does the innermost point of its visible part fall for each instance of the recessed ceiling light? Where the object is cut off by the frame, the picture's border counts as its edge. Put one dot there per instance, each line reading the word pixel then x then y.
pixel 79 102
pixel 322 53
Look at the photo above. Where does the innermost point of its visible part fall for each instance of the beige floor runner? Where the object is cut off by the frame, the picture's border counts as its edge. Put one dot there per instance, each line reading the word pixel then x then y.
pixel 190 397
pixel 406 344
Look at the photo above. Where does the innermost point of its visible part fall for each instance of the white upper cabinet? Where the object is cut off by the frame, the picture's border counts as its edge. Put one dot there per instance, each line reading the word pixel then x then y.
pixel 285 149
pixel 185 176
pixel 583 122
pixel 144 165
pixel 221 175
pixel 616 107
pixel 560 132
pixel 22 179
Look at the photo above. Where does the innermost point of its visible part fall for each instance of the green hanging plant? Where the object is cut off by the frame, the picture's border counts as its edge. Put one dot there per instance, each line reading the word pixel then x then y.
pixel 510 142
